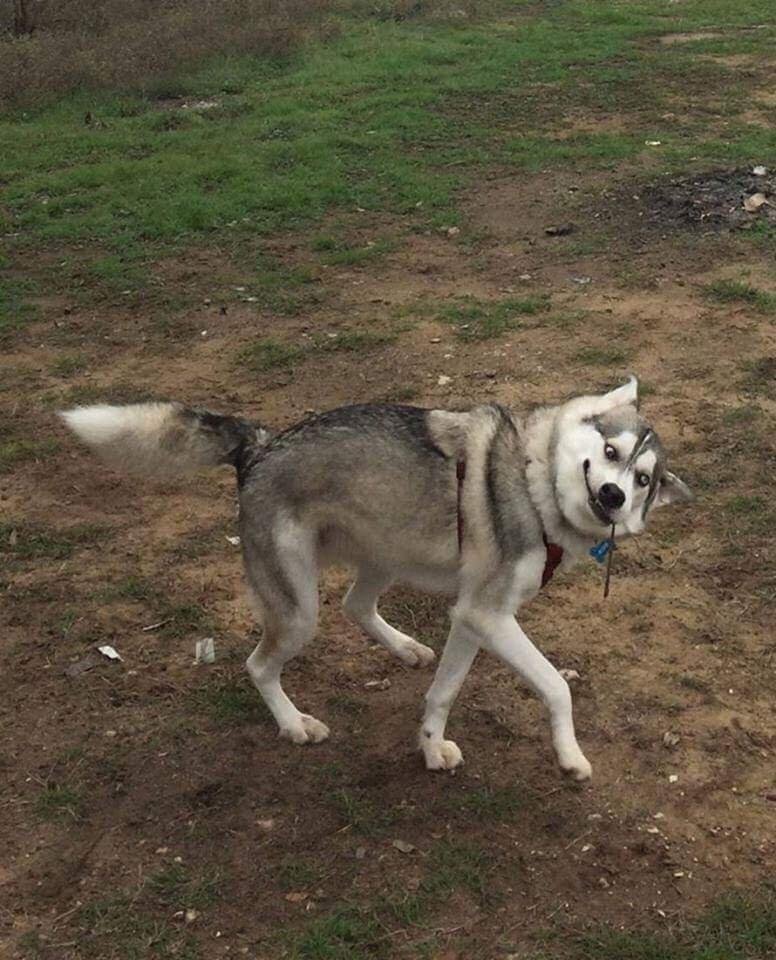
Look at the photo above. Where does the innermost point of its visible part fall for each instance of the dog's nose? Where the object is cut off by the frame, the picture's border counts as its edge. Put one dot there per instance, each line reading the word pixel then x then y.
pixel 611 497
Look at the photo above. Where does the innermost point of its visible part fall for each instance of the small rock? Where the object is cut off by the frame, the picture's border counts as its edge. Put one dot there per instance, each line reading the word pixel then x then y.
pixel 525 276
pixel 670 740
pixel 378 684
pixel 453 231
pixel 652 143
pixel 435 340
pixel 759 171
pixel 583 281
pixel 673 778
pixel 563 230
pixel 162 850
pixel 297 897
pixel 360 853
pixel 266 825
pixel 190 916
pixel 402 846
pixel 752 204
pixel 207 301
pixel 443 380
pixel 569 675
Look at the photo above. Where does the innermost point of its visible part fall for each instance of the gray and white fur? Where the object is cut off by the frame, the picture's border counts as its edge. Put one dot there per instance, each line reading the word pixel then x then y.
pixel 374 488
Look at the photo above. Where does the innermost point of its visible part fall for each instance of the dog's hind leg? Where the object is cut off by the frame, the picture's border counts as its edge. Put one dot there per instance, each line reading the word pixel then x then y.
pixel 284 585
pixel 360 603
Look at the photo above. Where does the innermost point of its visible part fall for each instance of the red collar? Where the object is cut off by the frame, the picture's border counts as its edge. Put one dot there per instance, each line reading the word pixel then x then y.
pixel 554 550
pixel 553 561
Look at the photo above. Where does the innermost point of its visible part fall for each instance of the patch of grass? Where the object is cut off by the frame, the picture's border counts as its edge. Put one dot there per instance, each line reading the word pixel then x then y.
pixel 752 513
pixel 360 814
pixel 59 802
pixel 338 252
pixel 485 803
pixel 738 291
pixel 348 933
pixel 602 356
pixel 742 416
pixel 738 927
pixel 130 588
pixel 481 319
pixel 455 866
pixel 175 887
pixel 68 365
pixel 15 309
pixel 232 703
pixel 346 704
pixel 760 376
pixel 295 873
pixel 16 451
pixel 183 620
pixel 30 542
pixel 352 341
pixel 269 354
pixel 121 927
pixel 408 909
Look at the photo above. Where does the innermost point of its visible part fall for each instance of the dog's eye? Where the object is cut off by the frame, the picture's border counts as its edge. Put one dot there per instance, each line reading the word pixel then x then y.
pixel 611 453
pixel 643 479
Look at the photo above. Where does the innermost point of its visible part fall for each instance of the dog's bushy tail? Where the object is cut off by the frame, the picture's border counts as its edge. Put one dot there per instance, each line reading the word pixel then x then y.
pixel 164 439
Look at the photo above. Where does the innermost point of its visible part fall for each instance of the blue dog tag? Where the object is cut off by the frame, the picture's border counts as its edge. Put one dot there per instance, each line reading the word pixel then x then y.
pixel 600 551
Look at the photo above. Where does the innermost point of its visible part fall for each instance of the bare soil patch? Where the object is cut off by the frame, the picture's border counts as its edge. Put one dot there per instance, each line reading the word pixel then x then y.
pixel 139 790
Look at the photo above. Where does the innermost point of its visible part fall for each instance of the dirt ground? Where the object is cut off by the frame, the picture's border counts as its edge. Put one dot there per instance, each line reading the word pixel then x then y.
pixel 136 791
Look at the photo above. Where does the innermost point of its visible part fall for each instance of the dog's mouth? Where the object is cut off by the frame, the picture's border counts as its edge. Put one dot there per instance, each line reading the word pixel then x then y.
pixel 592 499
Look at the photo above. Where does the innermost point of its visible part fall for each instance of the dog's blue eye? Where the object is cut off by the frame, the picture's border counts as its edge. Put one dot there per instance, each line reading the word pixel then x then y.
pixel 611 453
pixel 643 479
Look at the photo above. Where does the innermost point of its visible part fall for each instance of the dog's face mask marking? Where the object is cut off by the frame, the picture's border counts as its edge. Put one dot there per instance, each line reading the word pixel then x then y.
pixel 611 466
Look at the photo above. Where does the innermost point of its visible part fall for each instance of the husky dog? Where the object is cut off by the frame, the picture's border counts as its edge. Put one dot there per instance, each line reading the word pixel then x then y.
pixel 480 504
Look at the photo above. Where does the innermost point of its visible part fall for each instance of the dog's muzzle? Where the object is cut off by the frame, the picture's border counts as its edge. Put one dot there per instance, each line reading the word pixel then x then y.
pixel 610 497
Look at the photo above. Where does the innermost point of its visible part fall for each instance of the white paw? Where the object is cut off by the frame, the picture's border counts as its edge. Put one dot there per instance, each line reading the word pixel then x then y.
pixel 442 755
pixel 305 729
pixel 575 764
pixel 415 654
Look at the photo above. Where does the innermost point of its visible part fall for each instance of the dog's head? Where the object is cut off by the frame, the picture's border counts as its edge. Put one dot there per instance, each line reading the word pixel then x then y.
pixel 610 466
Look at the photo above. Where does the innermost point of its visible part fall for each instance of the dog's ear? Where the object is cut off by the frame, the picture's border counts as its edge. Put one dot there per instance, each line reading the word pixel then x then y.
pixel 628 393
pixel 672 490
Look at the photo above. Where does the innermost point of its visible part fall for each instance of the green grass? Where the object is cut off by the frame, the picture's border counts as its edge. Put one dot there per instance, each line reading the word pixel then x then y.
pixel 122 928
pixel 737 291
pixel 348 933
pixel 25 541
pixel 453 866
pixel 738 927
pixel 15 309
pixel 602 356
pixel 382 118
pixel 59 802
pixel 68 365
pixel 760 377
pixel 296 873
pixel 485 803
pixel 360 814
pixel 271 354
pixel 338 252
pixel 482 320
pixel 16 451
pixel 232 703
pixel 175 887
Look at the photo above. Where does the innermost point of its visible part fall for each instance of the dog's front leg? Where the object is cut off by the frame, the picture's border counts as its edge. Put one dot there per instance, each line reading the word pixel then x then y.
pixel 501 634
pixel 457 657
